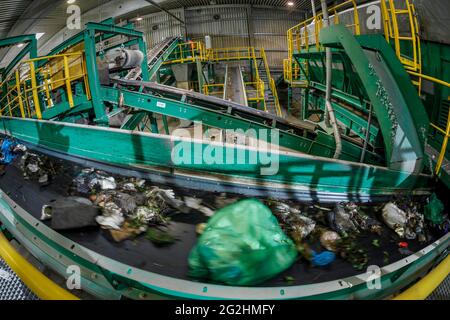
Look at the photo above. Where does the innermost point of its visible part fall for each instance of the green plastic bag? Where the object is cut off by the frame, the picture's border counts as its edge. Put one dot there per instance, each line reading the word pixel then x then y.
pixel 242 244
pixel 434 209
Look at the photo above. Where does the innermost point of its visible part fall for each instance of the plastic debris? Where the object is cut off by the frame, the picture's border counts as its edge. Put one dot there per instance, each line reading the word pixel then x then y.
pixel 434 210
pixel 90 180
pixel 323 258
pixel 70 213
pixel 292 221
pixel 46 213
pixel 406 220
pixel 341 221
pixel 403 244
pixel 242 244
pixel 37 168
pixel 8 151
pixel 395 218
pixel 329 240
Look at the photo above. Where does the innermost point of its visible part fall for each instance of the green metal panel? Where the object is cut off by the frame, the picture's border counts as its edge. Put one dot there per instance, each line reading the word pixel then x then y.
pixel 125 148
pixel 379 74
pixel 322 146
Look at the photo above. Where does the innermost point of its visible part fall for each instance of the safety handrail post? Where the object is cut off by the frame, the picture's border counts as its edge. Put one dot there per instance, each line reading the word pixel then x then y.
pixel 68 85
pixel 19 94
pixel 37 107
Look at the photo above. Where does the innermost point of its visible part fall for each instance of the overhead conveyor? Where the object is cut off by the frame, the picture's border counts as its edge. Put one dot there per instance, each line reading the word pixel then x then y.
pixel 156 57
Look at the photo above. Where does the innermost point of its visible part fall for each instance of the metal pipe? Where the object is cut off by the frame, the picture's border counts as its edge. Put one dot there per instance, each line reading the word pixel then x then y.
pixel 330 118
pixel 369 123
pixel 313 8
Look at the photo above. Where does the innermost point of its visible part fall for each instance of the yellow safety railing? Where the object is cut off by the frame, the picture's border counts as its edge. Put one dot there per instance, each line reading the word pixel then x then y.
pixel 31 89
pixel 445 132
pixel 42 286
pixel 306 34
pixel 301 37
pixel 257 94
pixel 216 90
pixel 272 85
pixel 391 11
pixel 188 52
pixel 229 54
pixel 191 51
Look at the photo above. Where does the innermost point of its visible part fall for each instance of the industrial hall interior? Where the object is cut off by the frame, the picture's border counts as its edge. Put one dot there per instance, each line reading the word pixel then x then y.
pixel 224 150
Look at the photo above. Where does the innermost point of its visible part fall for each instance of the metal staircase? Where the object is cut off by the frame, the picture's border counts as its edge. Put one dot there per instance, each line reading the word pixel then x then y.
pixel 270 88
pixel 155 58
pixel 268 95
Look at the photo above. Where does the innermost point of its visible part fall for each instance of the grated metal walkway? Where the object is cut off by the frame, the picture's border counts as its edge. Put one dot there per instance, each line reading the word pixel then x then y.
pixel 11 287
pixel 442 292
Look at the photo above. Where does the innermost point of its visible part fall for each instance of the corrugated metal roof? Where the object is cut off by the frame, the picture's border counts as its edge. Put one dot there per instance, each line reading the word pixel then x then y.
pixel 298 4
pixel 10 12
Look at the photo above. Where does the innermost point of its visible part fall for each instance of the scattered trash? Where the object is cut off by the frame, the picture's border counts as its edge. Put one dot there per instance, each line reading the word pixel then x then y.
pixel 329 240
pixel 403 244
pixel 395 218
pixel 90 180
pixel 351 251
pixel 127 231
pixel 70 213
pixel 341 221
pixel 242 244
pixel 292 221
pixel 200 228
pixel 37 168
pixel 323 258
pixel 9 151
pixel 46 212
pixel 160 237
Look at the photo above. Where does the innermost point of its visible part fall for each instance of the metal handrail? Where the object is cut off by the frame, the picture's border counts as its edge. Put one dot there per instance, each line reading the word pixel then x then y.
pixel 42 286
pixel 272 85
pixel 48 77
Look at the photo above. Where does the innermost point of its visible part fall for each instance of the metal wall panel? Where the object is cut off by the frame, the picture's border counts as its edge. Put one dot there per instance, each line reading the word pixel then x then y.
pixel 158 26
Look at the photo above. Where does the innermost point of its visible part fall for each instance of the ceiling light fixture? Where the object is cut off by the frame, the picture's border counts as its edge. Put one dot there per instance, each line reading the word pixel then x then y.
pixel 20 45
pixel 290 3
pixel 71 1
pixel 139 18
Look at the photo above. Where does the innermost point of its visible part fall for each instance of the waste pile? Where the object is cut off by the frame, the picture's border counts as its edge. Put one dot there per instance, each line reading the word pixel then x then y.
pixel 245 241
pixel 9 150
pixel 129 207
pixel 38 168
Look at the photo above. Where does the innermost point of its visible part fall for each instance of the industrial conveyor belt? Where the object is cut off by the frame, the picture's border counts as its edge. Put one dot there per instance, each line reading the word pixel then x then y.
pixel 172 260
pixel 235 89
